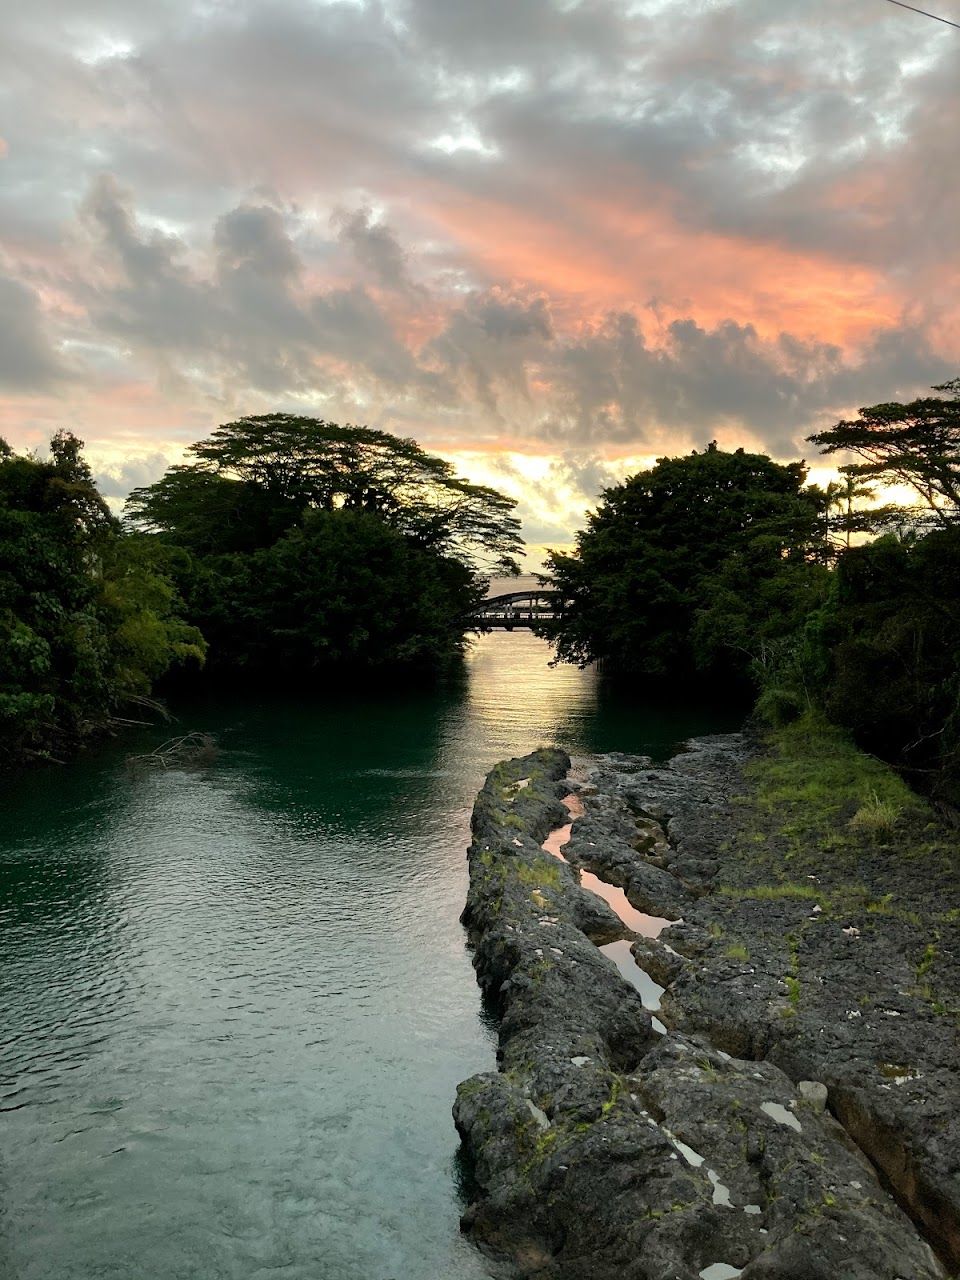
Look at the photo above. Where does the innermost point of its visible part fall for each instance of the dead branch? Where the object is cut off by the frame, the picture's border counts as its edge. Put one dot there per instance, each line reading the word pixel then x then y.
pixel 189 750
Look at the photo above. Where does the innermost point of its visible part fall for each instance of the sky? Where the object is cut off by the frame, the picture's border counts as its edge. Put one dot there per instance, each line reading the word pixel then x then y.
pixel 551 240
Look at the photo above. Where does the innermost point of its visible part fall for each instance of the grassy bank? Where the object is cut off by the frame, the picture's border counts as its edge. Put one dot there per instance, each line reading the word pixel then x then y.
pixel 837 833
pixel 815 788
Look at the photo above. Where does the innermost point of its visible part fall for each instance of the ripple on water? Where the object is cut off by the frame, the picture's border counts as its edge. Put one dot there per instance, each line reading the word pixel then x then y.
pixel 237 1002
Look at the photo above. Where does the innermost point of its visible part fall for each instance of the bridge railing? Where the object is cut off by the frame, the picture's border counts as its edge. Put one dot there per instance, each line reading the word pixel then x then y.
pixel 517 609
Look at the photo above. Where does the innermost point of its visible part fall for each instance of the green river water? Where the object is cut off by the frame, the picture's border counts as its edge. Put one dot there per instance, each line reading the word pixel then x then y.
pixel 235 1002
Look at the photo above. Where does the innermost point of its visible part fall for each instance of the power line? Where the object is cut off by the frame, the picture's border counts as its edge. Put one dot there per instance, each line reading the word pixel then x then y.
pixel 934 16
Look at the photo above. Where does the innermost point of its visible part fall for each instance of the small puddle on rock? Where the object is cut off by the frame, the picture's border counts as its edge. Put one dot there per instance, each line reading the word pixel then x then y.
pixel 647 926
pixel 720 1271
pixel 650 993
pixel 574 805
pixel 556 840
pixel 637 921
pixel 619 952
pixel 776 1111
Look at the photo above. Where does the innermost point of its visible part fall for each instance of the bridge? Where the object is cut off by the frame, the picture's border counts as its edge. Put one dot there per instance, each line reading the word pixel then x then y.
pixel 517 609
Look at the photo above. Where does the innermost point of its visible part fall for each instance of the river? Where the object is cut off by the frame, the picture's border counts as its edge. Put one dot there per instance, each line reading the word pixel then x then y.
pixel 236 1001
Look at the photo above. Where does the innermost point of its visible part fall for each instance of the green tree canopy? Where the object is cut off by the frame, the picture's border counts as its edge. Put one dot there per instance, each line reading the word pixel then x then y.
pixel 211 514
pixel 254 479
pixel 847 516
pixel 917 444
pixel 341 590
pixel 652 554
pixel 88 617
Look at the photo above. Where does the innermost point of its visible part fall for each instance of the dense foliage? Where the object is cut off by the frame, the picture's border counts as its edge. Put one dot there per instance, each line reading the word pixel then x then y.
pixel 309 546
pixel 655 586
pixel 724 565
pixel 338 589
pixel 883 656
pixel 256 478
pixel 291 548
pixel 296 548
pixel 88 615
pixel 891 638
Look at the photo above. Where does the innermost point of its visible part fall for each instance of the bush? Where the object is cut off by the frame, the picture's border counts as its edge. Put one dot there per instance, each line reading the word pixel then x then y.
pixel 778 706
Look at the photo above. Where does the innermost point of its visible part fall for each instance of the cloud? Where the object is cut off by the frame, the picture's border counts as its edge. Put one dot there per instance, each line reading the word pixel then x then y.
pixel 594 230
pixel 351 327
pixel 613 387
pixel 489 342
pixel 251 320
pixel 28 361
pixel 374 246
pixel 254 238
pixel 108 208
pixel 116 481
pixel 241 323
pixel 140 288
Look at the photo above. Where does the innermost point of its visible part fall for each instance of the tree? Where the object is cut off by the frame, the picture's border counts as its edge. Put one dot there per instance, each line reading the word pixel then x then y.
pixel 892 659
pixel 141 611
pixel 917 444
pixel 276 467
pixel 845 516
pixel 53 652
pixel 345 590
pixel 313 545
pixel 756 603
pixel 646 561
pixel 85 625
pixel 211 514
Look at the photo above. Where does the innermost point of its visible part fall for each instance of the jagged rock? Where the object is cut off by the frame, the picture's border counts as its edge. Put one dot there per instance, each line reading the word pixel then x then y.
pixel 605 841
pixel 834 1000
pixel 663 964
pixel 586 1144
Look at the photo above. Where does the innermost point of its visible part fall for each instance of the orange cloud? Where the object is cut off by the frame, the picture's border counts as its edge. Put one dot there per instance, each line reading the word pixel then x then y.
pixel 632 255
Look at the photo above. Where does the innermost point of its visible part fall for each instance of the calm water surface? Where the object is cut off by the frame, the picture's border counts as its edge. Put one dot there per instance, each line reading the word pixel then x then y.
pixel 236 1002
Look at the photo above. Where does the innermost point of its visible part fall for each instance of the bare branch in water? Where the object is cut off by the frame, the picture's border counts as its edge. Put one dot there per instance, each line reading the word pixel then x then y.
pixel 189 750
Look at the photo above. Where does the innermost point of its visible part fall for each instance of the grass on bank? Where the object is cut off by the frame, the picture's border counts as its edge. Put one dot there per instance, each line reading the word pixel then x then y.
pixel 820 781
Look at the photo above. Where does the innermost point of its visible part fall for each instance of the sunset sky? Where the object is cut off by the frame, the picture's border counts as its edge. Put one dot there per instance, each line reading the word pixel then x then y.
pixel 549 239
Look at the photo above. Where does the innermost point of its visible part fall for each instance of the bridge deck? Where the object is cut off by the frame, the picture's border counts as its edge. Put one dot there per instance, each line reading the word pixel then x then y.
pixel 517 609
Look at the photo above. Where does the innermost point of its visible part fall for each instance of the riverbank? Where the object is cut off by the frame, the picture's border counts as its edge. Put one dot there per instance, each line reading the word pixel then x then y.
pixel 816 963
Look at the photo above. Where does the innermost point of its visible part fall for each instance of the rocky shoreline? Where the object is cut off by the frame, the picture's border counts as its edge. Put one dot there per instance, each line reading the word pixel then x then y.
pixel 799 1118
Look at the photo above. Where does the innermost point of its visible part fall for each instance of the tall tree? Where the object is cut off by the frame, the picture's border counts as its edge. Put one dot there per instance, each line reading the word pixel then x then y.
pixel 342 591
pixel 313 546
pixel 656 543
pixel 846 515
pixel 917 444
pixel 892 660
pixel 275 467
